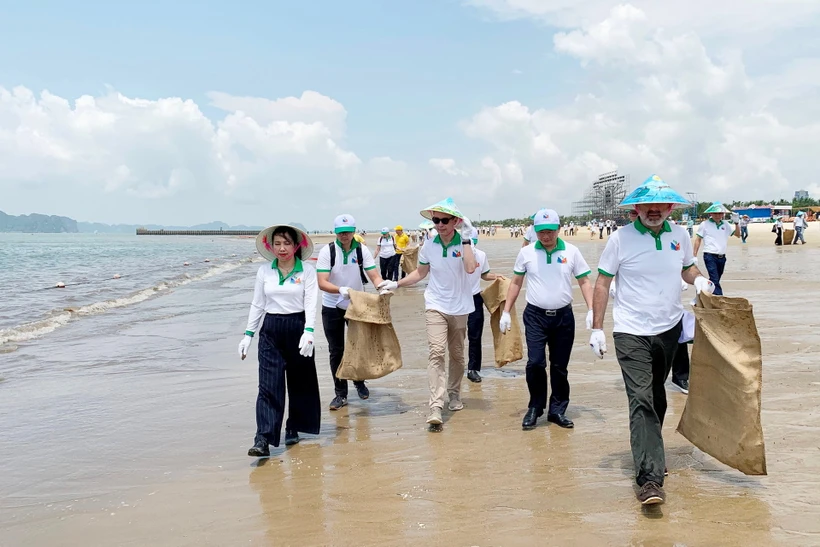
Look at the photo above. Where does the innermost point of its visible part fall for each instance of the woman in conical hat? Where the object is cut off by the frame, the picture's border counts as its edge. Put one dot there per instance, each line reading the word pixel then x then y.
pixel 283 312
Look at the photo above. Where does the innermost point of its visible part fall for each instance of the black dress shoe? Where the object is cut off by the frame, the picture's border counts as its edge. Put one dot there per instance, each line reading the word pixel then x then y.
pixel 530 418
pixel 561 420
pixel 291 437
pixel 363 392
pixel 473 376
pixel 259 450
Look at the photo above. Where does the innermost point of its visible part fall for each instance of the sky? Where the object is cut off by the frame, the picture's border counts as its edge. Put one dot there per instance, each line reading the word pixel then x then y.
pixel 257 112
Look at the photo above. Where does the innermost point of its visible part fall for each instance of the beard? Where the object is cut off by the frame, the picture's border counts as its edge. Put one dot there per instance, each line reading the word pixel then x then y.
pixel 655 221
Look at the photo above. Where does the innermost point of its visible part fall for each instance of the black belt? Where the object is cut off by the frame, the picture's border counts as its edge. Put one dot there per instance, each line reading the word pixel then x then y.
pixel 550 313
pixel 717 255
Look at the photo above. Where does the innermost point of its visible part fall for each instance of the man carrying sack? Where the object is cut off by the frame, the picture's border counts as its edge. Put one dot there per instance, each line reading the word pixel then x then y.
pixel 339 269
pixel 448 300
pixel 475 321
pixel 650 257
pixel 715 233
pixel 550 266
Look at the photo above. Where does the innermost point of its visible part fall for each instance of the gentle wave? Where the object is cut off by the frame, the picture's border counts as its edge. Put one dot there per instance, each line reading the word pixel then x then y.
pixel 59 318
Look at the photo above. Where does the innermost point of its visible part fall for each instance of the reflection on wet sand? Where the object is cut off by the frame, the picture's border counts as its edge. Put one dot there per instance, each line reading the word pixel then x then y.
pixel 375 476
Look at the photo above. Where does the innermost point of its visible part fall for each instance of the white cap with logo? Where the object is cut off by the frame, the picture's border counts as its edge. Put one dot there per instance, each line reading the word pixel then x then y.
pixel 546 219
pixel 344 223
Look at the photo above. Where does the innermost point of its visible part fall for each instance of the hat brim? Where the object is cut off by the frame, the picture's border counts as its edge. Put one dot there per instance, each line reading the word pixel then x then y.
pixel 344 229
pixel 542 227
pixel 428 213
pixel 266 236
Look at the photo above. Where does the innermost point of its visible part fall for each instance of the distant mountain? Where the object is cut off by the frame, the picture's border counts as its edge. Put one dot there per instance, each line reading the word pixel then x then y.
pixel 35 223
pixel 92 227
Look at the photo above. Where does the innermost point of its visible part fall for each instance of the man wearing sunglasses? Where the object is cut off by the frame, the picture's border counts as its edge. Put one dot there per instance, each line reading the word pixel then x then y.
pixel 448 301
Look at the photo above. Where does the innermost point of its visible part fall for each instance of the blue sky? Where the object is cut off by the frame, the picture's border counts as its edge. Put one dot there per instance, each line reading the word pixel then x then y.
pixel 407 72
pixel 501 104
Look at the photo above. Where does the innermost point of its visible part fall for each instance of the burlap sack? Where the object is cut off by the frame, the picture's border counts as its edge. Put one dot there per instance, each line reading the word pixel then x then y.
pixel 788 236
pixel 410 260
pixel 722 413
pixel 372 348
pixel 508 347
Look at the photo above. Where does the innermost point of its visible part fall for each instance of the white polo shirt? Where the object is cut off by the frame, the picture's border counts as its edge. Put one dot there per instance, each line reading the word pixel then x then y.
pixel 449 290
pixel 550 274
pixel 345 272
pixel 530 235
pixel 715 236
pixel 649 276
pixel 278 294
pixel 386 246
pixel 483 268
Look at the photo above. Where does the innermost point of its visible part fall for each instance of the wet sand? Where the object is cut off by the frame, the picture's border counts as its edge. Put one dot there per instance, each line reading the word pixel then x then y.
pixel 156 456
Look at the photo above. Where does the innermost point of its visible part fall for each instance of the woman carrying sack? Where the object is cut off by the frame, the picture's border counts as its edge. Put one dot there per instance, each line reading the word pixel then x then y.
pixel 284 303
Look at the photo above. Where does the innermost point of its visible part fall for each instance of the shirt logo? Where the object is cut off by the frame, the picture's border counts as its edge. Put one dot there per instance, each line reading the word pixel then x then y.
pixel 456 254
pixel 353 260
pixel 675 245
pixel 295 280
pixel 562 260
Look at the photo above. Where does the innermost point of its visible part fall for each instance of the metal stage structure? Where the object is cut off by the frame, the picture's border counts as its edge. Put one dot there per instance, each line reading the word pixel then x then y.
pixel 601 199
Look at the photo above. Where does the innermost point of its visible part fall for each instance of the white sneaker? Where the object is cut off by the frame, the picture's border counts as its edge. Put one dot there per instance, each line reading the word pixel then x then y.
pixel 455 402
pixel 435 416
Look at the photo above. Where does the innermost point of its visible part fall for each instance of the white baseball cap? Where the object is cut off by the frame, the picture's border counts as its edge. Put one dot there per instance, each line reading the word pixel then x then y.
pixel 546 219
pixel 344 223
pixel 385 230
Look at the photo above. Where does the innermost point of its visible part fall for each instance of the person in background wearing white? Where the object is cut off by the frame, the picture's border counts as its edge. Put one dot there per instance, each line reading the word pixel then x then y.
pixel 475 321
pixel 714 234
pixel 284 303
pixel 339 269
pixel 550 266
pixel 448 301
pixel 386 251
pixel 800 225
pixel 650 258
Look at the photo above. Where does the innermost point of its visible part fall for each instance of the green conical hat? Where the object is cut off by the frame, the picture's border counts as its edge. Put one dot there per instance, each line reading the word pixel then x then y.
pixel 654 190
pixel 446 206
pixel 716 207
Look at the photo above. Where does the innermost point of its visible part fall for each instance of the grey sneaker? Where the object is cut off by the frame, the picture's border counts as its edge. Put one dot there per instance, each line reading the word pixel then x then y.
pixel 435 416
pixel 455 402
pixel 651 493
pixel 338 402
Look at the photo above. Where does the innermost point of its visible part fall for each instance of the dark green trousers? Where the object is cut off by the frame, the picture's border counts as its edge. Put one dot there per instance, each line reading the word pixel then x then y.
pixel 645 364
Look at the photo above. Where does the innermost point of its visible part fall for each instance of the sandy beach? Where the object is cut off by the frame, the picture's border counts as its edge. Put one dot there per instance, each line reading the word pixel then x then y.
pixel 154 453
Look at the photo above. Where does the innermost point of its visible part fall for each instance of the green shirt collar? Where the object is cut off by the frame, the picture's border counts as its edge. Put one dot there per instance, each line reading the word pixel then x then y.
pixel 297 268
pixel 559 246
pixel 346 254
pixel 644 230
pixel 455 241
pixel 716 223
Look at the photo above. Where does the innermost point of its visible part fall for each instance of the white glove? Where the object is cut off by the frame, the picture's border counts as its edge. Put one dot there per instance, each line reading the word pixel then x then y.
pixel 243 346
pixel 387 286
pixel 306 344
pixel 735 218
pixel 684 286
pixel 466 229
pixel 703 285
pixel 589 320
pixel 344 292
pixel 505 323
pixel 597 341
pixel 695 260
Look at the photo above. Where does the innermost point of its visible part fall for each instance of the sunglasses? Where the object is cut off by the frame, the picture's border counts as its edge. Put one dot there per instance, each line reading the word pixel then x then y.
pixel 444 221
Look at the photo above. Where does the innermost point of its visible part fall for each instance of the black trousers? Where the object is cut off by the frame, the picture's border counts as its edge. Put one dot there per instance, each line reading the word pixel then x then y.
pixel 553 329
pixel 389 267
pixel 396 268
pixel 280 364
pixel 715 264
pixel 333 321
pixel 680 365
pixel 645 364
pixel 475 326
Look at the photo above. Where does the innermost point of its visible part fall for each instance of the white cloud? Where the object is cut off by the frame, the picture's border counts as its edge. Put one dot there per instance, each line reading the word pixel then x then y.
pixel 656 100
pixel 448 166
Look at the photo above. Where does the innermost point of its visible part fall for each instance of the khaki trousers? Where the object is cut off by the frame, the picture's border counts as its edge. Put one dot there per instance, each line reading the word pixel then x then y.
pixel 450 331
